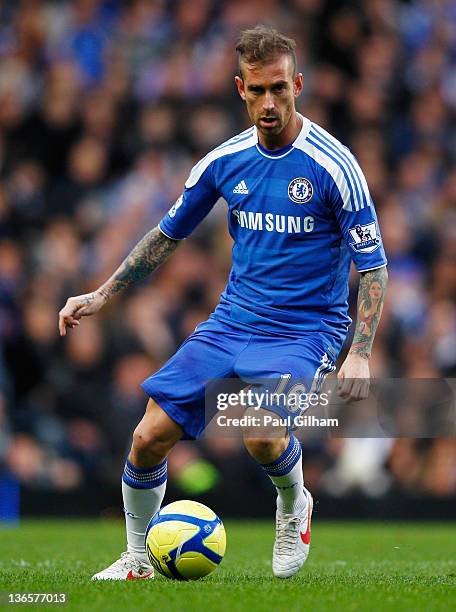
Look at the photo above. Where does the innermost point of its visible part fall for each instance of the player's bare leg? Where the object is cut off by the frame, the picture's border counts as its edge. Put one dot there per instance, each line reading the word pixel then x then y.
pixel 280 456
pixel 143 489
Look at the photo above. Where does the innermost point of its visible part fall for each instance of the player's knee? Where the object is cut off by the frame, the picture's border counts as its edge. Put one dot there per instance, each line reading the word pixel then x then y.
pixel 264 449
pixel 150 443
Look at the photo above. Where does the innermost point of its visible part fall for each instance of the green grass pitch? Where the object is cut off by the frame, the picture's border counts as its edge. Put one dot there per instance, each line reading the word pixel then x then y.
pixel 365 566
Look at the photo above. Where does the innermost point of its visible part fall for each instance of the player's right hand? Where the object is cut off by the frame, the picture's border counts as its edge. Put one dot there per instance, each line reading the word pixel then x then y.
pixel 77 307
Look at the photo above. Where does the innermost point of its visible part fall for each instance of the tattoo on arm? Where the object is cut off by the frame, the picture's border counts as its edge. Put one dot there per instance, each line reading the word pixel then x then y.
pixel 371 296
pixel 152 250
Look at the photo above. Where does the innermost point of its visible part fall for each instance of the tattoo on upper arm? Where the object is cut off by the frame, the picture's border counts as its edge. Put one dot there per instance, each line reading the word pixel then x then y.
pixel 371 297
pixel 152 250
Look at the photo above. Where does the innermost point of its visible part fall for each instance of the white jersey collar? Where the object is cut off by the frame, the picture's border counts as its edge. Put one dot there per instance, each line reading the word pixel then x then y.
pixel 305 128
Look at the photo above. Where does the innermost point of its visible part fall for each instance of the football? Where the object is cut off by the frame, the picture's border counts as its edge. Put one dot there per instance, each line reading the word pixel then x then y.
pixel 185 540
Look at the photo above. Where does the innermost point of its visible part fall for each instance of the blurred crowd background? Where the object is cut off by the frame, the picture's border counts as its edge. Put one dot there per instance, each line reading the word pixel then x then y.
pixel 104 108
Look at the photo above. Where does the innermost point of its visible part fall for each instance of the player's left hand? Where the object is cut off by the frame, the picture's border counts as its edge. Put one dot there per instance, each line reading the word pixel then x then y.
pixel 354 378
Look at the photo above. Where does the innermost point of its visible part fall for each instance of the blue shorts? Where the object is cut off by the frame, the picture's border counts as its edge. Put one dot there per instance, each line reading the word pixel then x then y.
pixel 217 350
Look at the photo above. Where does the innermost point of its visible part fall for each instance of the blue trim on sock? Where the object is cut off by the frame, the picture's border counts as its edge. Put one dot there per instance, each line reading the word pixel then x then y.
pixel 287 460
pixel 144 470
pixel 145 478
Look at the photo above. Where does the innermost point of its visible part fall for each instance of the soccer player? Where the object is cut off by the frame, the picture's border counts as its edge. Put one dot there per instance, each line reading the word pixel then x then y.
pixel 299 210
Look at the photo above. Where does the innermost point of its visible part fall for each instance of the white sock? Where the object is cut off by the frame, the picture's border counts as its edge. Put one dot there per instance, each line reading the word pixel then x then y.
pixel 143 491
pixel 287 477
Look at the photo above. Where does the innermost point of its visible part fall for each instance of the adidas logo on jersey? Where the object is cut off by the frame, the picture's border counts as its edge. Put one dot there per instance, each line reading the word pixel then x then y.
pixel 241 188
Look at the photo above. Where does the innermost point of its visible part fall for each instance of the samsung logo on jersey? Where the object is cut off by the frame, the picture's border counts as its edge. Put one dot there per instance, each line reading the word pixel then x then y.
pixel 271 222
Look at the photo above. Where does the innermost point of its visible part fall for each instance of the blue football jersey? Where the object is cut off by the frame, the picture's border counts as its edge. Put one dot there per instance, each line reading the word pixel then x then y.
pixel 297 217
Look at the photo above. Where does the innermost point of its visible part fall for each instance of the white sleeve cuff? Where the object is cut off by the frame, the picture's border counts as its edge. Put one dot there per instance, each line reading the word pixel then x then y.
pixel 370 269
pixel 165 234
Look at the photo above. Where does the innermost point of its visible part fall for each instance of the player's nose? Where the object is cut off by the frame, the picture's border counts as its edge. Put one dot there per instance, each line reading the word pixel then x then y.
pixel 268 102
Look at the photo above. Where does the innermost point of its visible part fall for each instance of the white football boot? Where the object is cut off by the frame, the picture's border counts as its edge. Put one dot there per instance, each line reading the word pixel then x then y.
pixel 292 543
pixel 128 567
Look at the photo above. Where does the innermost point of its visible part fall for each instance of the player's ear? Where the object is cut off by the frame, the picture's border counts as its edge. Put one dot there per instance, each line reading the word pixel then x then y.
pixel 298 84
pixel 240 86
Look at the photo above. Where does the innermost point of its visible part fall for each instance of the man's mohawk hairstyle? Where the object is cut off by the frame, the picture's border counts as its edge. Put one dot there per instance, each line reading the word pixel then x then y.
pixel 263 43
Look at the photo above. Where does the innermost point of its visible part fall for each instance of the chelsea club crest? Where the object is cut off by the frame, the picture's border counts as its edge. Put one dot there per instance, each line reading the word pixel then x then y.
pixel 300 190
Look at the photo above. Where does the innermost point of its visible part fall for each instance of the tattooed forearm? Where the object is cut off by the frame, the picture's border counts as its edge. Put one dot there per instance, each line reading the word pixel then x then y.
pixel 146 256
pixel 371 296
